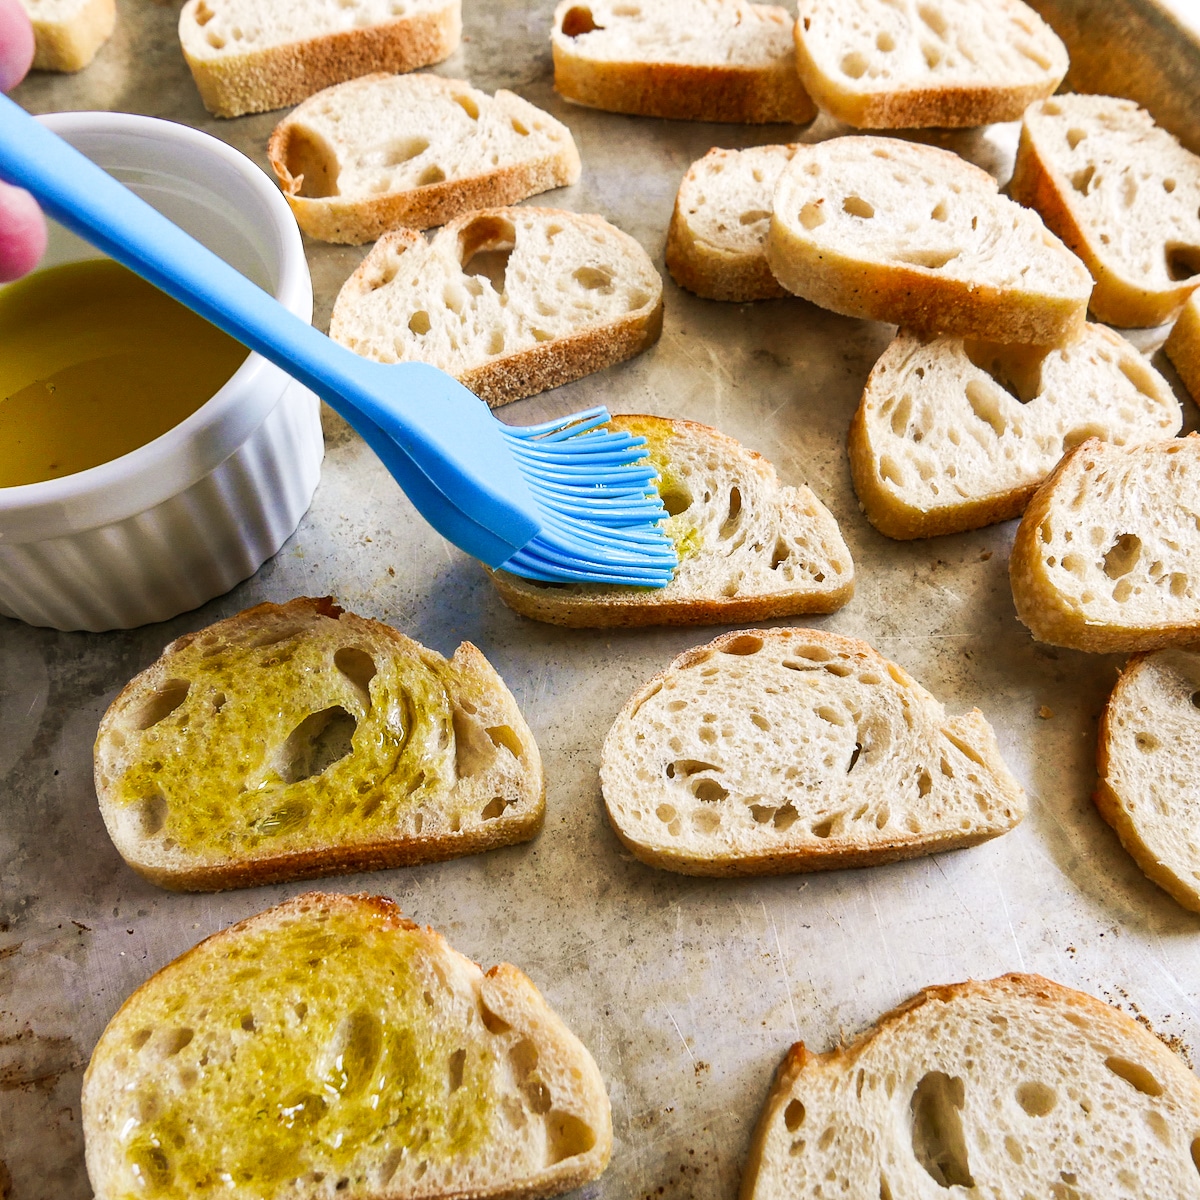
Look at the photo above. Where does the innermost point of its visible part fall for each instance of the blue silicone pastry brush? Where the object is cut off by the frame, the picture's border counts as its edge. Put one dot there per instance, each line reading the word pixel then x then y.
pixel 568 500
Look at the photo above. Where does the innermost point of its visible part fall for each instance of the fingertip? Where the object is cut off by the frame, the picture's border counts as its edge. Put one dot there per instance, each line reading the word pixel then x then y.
pixel 16 44
pixel 22 233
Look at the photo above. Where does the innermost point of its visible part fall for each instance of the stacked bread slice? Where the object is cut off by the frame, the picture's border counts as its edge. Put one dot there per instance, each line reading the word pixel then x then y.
pixel 1183 346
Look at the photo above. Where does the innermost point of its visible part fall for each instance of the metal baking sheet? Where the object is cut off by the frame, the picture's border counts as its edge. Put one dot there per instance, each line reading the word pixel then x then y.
pixel 687 991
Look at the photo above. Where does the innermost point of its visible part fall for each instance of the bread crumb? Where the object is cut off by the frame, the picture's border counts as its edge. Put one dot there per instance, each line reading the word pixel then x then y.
pixel 985 555
pixel 1045 712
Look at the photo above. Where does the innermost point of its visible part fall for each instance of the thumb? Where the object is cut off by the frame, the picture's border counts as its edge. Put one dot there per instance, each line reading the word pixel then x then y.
pixel 22 233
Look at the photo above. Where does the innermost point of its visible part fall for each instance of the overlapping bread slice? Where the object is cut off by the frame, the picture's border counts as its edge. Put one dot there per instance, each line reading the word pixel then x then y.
pixel 1009 1088
pixel 1148 758
pixel 1183 346
pixel 254 55
pixel 749 548
pixel 908 233
pixel 1105 557
pixel 510 301
pixel 797 750
pixel 298 740
pixel 879 64
pixel 67 33
pixel 953 434
pixel 328 1047
pixel 717 239
pixel 385 151
pixel 1123 194
pixel 697 60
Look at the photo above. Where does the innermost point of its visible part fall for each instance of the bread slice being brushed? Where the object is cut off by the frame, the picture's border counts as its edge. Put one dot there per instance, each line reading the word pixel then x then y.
pixel 329 1048
pixel 953 435
pixel 749 548
pixel 510 301
pixel 1105 555
pixel 299 740
pixel 1008 1088
pixel 385 151
pixel 782 750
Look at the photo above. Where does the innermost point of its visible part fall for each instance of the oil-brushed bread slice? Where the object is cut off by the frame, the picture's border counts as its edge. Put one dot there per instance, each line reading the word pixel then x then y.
pixel 953 434
pixel 254 55
pixel 879 64
pixel 783 750
pixel 329 1048
pixel 1183 346
pixel 697 60
pixel 1009 1088
pixel 1148 758
pixel 1106 555
pixel 749 548
pixel 67 33
pixel 1123 194
pixel 717 239
pixel 299 740
pixel 412 150
pixel 510 301
pixel 902 232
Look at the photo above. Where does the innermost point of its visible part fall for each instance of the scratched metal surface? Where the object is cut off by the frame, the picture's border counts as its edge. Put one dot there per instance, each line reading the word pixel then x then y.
pixel 687 991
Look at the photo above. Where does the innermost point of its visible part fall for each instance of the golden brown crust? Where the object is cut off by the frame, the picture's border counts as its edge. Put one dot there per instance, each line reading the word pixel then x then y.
pixel 1183 346
pixel 71 46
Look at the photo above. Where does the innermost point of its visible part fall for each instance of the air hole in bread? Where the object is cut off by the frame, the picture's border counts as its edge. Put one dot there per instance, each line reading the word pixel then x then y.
pixel 682 768
pixel 537 1095
pixel 709 791
pixel 1183 262
pixel 855 754
pixel 931 259
pixel 745 644
pixel 320 740
pixel 578 21
pixel 856 206
pixel 161 703
pixel 203 14
pixel 793 1116
pixel 824 829
pixel 924 783
pixel 1123 555
pixel 1017 369
pixel 840 669
pixel 730 524
pixel 1036 1098
pixel 494 808
pixel 965 747
pixel 474 749
pixel 151 815
pixel 1075 136
pixel 1081 181
pixel 359 669
pixel 594 279
pixel 419 323
pixel 175 1041
pixel 780 554
pixel 467 104
pixel 932 54
pixel 524 1059
pixel 567 1136
pixel 937 1132
pixel 432 174
pixel 1168 186
pixel 458 1060
pixel 140 1038
pixel 310 163
pixel 812 214
pixel 785 817
pixel 934 18
pixel 1135 1075
pixel 675 497
pixel 986 406
pixel 854 64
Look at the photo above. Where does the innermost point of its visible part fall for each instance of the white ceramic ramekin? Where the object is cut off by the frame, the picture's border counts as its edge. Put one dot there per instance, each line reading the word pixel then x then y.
pixel 182 519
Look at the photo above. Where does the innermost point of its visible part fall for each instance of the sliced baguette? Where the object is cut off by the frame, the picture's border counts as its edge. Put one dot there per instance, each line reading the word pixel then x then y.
pixel 1105 555
pixel 1123 194
pixel 67 33
pixel 254 55
pixel 1009 1088
pixel 717 239
pixel 783 750
pixel 384 151
pixel 328 1047
pixel 749 549
pixel 1148 757
pixel 902 232
pixel 953 435
pixel 566 294
pixel 876 64
pixel 694 60
pixel 299 740
pixel 1183 346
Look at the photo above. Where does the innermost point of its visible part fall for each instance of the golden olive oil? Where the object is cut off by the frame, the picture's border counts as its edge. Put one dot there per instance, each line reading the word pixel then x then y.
pixel 95 362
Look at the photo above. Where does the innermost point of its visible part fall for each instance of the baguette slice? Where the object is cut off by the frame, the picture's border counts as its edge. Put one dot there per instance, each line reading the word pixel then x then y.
pixel 694 60
pixel 876 64
pixel 717 239
pixel 1009 1088
pixel 299 740
pixel 902 232
pixel 67 33
pixel 1148 758
pixel 254 55
pixel 1105 555
pixel 1123 194
pixel 1183 346
pixel 510 301
pixel 953 435
pixel 748 548
pixel 416 150
pixel 328 1047
pixel 784 750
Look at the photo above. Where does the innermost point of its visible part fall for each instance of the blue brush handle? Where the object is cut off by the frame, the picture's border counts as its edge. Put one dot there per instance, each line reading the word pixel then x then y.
pixel 477 472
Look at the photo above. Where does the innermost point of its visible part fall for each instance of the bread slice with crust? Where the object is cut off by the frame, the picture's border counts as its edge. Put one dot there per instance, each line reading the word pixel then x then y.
pixel 328 1047
pixel 749 548
pixel 717 239
pixel 384 151
pixel 902 232
pixel 694 60
pixel 1183 346
pixel 68 33
pixel 1011 1088
pixel 878 64
pixel 1105 555
pixel 953 434
pixel 779 750
pixel 510 301
pixel 299 740
pixel 254 55
pixel 1123 194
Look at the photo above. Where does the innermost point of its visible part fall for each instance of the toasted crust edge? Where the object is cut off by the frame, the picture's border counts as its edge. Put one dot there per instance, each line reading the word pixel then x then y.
pixel 1183 346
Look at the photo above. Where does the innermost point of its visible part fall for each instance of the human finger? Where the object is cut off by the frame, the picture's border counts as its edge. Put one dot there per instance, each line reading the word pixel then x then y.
pixel 16 44
pixel 22 233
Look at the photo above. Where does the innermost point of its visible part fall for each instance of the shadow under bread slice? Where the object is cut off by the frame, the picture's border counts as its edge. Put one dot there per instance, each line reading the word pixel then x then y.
pixel 298 740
